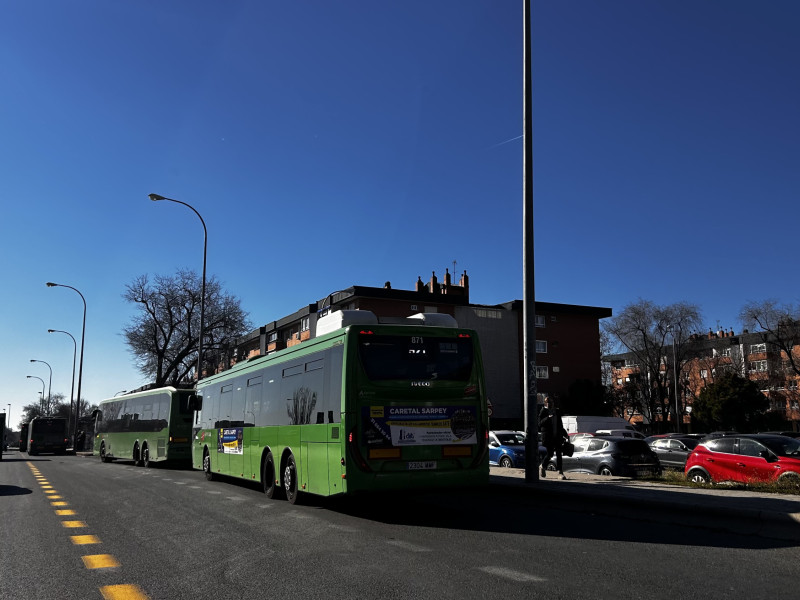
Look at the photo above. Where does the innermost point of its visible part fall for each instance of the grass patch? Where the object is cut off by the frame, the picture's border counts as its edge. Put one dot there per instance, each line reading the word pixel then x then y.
pixel 788 486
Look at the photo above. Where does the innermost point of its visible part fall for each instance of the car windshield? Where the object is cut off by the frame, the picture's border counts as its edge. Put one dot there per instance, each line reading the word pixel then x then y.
pixel 783 447
pixel 631 447
pixel 511 439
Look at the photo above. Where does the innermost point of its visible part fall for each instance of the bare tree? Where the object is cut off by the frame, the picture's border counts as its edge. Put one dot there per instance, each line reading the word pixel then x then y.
pixel 647 331
pixel 163 336
pixel 778 326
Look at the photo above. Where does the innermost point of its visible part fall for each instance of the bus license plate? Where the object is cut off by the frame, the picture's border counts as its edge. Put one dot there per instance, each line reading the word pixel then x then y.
pixel 416 465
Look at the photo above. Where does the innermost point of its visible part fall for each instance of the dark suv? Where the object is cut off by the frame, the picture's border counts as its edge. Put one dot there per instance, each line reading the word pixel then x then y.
pixel 604 455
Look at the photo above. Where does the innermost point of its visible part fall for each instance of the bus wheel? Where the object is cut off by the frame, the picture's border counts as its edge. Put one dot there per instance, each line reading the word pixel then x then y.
pixel 137 455
pixel 290 480
pixel 145 455
pixel 268 477
pixel 207 465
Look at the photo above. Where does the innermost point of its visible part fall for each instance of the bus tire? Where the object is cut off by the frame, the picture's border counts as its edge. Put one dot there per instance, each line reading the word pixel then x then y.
pixel 145 456
pixel 103 457
pixel 290 480
pixel 137 455
pixel 207 465
pixel 271 490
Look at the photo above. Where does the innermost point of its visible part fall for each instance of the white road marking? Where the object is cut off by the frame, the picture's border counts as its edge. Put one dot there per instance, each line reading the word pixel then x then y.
pixel 513 575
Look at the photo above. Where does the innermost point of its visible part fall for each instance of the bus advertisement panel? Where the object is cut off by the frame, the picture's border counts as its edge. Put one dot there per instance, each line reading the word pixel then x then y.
pixel 47 434
pixel 146 427
pixel 388 406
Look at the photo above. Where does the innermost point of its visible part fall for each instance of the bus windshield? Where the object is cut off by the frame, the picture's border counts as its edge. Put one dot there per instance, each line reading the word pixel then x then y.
pixel 415 357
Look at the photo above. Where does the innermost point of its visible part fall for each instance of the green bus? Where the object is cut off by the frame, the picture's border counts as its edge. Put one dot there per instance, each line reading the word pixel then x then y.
pixel 365 405
pixel 147 426
pixel 47 434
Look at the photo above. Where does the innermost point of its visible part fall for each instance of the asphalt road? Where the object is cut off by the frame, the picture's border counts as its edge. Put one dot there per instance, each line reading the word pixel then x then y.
pixel 169 534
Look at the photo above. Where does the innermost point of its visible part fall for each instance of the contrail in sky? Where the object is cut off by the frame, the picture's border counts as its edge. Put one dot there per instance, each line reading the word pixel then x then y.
pixel 506 142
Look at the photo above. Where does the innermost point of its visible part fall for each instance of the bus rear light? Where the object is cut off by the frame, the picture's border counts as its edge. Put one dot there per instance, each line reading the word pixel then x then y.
pixel 463 335
pixel 456 451
pixel 366 332
pixel 384 453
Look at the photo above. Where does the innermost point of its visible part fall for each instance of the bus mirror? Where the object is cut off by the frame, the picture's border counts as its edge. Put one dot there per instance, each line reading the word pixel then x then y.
pixel 195 402
pixel 97 414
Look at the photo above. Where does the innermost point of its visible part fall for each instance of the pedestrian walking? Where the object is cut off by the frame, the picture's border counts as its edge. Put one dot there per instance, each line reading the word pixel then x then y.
pixel 554 436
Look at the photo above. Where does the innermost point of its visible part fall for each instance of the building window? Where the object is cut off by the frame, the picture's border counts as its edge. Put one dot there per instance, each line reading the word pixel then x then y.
pixel 726 352
pixel 541 346
pixel 542 373
pixel 304 324
pixel 756 348
pixel 273 337
pixel 539 320
pixel 704 373
pixel 757 366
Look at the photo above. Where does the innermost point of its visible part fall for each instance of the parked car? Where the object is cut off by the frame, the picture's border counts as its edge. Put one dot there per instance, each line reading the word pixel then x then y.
pixel 745 458
pixel 608 455
pixel 573 437
pixel 507 448
pixel 794 434
pixel 673 451
pixel 628 433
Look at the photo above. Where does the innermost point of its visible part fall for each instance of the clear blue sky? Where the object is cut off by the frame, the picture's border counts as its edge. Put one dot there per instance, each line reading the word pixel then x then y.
pixel 328 144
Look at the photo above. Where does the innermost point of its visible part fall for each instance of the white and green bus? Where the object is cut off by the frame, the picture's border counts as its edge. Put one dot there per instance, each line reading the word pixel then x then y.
pixel 146 427
pixel 365 405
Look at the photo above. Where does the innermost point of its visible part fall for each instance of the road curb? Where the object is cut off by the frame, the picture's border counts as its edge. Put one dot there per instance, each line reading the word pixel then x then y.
pixel 769 516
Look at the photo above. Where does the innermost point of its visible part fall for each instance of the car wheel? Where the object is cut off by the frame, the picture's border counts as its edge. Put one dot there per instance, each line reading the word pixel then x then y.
pixel 268 477
pixel 207 466
pixel 605 471
pixel 290 480
pixel 551 466
pixel 698 476
pixel 506 462
pixel 789 479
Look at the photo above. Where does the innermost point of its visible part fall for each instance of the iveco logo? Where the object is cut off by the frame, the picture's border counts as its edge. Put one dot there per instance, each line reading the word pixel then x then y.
pixel 420 384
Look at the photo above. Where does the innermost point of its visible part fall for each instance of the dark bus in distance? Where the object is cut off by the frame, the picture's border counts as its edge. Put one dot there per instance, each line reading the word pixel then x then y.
pixel 47 434
pixel 23 437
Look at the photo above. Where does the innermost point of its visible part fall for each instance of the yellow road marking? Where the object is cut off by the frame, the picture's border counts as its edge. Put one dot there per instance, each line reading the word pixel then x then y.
pixel 100 561
pixel 55 497
pixel 80 540
pixel 65 512
pixel 123 592
pixel 50 492
pixel 47 487
pixel 73 524
pixel 59 503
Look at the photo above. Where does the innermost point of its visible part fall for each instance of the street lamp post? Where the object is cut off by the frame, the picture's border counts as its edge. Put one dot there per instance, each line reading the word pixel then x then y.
pixel 41 399
pixel 156 198
pixel 49 387
pixel 72 385
pixel 671 329
pixel 83 343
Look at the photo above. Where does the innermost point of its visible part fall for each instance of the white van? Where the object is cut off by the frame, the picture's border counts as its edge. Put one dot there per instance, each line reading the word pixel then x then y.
pixel 590 424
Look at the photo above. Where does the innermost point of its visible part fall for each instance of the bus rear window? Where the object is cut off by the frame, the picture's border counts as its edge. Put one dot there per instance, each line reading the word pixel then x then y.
pixel 415 357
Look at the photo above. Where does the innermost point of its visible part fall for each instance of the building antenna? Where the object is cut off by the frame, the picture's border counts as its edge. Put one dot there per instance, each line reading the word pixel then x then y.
pixel 454 267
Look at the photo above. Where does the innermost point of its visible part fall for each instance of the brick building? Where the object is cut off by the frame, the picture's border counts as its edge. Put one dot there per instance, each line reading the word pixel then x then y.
pixel 751 355
pixel 567 346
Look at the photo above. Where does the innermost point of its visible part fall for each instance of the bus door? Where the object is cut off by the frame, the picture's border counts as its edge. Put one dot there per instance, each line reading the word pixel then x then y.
pixel 252 417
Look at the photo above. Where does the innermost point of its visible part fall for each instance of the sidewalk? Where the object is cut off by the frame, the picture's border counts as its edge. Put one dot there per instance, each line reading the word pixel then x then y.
pixel 750 513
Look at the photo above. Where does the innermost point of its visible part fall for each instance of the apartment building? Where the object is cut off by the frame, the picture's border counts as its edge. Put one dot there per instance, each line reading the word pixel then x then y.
pixel 567 336
pixel 707 356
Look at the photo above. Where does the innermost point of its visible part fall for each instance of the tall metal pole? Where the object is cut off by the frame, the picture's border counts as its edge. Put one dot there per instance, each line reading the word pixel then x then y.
pixel 675 372
pixel 41 400
pixel 80 368
pixel 49 387
pixel 156 198
pixel 72 385
pixel 529 298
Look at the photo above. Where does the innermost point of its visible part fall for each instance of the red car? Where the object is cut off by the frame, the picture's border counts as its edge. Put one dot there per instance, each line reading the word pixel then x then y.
pixel 745 459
